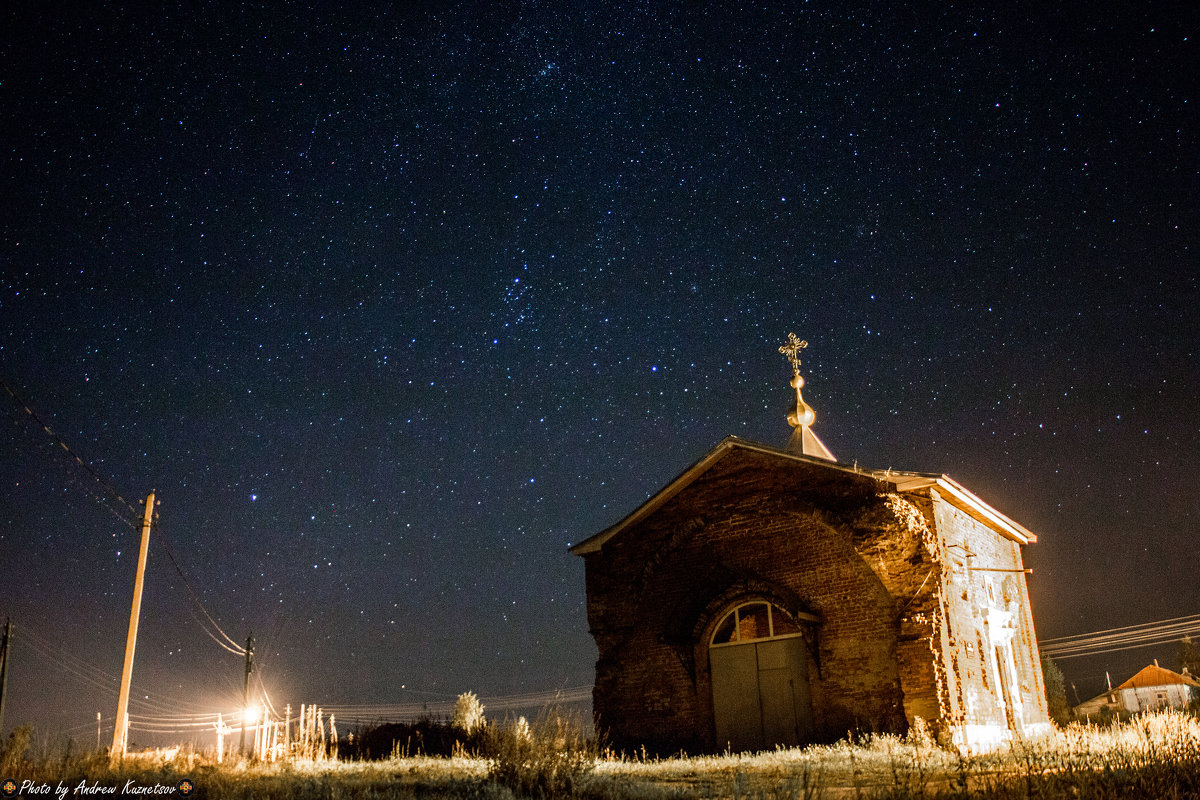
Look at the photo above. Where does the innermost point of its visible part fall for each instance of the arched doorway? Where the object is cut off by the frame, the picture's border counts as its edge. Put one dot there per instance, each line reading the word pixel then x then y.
pixel 759 674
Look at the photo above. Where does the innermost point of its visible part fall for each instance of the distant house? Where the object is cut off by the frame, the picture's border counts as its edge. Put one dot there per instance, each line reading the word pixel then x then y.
pixel 1153 687
pixel 772 596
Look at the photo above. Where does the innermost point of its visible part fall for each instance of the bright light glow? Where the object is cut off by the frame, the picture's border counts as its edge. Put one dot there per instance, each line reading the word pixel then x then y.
pixel 251 715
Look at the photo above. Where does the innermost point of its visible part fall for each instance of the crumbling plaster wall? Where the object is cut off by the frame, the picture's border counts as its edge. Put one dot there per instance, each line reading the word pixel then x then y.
pixel 986 606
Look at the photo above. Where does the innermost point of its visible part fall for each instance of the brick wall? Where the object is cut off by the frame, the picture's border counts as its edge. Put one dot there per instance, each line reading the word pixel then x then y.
pixel 808 538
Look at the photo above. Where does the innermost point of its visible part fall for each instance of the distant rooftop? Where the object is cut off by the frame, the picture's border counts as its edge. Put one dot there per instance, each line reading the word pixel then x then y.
pixel 1154 675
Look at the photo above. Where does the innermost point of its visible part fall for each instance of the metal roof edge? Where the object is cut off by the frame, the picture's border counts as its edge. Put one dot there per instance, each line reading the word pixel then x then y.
pixel 1001 522
pixel 593 543
pixel 902 481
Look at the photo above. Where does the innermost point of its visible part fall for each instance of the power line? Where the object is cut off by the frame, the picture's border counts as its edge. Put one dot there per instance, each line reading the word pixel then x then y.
pixel 1184 619
pixel 228 643
pixel 131 522
pixel 89 726
pixel 1113 640
pixel 95 676
pixel 267 697
pixel 1147 638
pixel 1147 632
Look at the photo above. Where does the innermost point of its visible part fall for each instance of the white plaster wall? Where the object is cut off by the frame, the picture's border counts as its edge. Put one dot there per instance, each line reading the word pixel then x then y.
pixel 1147 697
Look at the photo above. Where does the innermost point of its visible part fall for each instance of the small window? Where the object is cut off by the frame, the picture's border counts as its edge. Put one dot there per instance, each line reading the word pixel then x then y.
pixel 782 624
pixel 727 630
pixel 751 621
pixel 754 622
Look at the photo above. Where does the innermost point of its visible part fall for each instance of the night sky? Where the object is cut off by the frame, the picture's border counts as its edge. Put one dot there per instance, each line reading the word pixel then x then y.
pixel 390 306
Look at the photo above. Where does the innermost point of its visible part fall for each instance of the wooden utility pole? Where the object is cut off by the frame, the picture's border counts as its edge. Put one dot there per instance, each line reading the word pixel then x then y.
pixel 246 689
pixel 4 668
pixel 121 721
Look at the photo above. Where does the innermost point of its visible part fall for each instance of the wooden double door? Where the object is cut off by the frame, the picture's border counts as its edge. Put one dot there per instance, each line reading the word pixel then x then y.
pixel 760 694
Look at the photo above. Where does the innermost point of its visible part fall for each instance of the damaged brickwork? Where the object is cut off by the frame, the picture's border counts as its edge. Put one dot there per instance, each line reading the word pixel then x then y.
pixel 871 580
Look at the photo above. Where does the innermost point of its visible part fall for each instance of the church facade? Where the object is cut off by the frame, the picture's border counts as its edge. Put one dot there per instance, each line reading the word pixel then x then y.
pixel 772 596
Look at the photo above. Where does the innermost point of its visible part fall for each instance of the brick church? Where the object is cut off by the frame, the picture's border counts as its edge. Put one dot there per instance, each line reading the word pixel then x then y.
pixel 773 596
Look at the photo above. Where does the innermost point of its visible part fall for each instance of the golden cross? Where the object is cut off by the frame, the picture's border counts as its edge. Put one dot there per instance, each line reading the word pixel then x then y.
pixel 792 351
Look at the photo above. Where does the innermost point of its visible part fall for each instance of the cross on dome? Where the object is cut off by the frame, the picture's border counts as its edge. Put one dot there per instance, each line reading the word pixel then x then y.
pixel 803 440
pixel 791 348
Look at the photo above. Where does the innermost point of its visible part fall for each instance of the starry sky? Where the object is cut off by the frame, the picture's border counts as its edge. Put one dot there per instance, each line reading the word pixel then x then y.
pixel 392 303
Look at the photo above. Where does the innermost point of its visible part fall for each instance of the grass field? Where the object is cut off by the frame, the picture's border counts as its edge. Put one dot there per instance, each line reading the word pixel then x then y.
pixel 1153 756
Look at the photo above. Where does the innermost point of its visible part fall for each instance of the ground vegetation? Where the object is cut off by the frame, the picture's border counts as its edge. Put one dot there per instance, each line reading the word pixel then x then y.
pixel 1150 756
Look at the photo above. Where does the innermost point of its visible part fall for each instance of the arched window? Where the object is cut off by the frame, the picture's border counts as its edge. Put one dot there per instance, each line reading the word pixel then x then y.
pixel 754 621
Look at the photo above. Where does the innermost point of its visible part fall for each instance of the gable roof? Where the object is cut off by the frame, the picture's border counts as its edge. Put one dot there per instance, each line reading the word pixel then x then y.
pixel 1154 675
pixel 954 492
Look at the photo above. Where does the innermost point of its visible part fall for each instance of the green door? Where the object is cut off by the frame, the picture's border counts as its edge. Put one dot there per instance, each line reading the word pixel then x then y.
pixel 736 706
pixel 760 694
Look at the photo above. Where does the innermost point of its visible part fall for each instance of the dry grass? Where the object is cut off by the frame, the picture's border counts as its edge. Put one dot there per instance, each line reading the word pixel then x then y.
pixel 1155 756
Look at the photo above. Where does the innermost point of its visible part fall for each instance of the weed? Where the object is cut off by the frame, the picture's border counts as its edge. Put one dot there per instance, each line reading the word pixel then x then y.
pixel 543 760
pixel 13 751
pixel 468 714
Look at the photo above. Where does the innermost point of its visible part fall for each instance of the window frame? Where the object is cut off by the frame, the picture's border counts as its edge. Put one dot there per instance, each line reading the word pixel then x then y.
pixel 734 612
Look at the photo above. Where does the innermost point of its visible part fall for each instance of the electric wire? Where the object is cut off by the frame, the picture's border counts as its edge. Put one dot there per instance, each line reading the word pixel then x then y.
pixel 228 643
pixel 165 718
pixel 95 682
pixel 174 724
pixel 79 459
pixel 1187 619
pixel 232 646
pixel 1094 652
pixel 266 697
pixel 1129 637
pixel 1141 640
pixel 1143 633
pixel 91 726
pixel 132 522
pixel 173 727
pixel 160 722
pixel 67 657
pixel 110 691
pixel 97 677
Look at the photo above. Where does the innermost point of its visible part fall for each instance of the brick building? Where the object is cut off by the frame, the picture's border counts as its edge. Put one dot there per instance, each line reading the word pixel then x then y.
pixel 772 596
